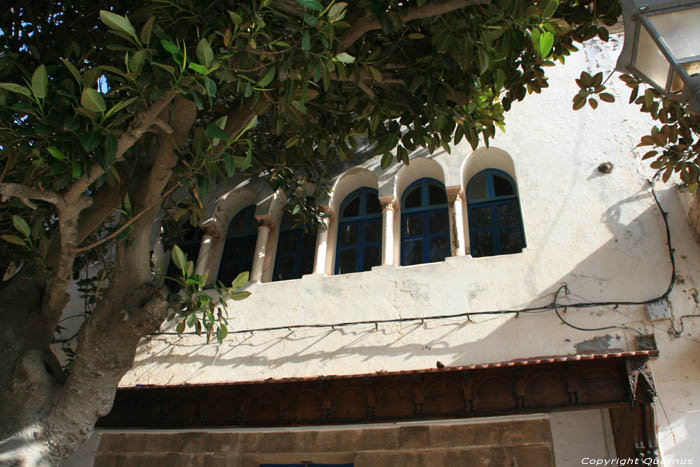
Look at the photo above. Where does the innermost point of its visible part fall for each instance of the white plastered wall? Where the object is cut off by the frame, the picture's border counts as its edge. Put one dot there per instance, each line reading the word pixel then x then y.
pixel 601 234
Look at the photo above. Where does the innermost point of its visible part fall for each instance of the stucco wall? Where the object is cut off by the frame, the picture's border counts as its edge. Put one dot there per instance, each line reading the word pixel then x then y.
pixel 601 234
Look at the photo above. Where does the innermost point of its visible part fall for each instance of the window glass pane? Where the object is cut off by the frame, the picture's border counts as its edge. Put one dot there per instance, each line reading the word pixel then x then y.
pixel 507 214
pixel 439 249
pixel 285 269
pixel 307 263
pixel 482 244
pixel 352 209
pixel 243 222
pixel 347 261
pixel 502 186
pixel 511 241
pixel 480 217
pixel 413 199
pixel 287 221
pixel 373 257
pixel 412 252
pixel 373 232
pixel 309 240
pixel 348 234
pixel 413 225
pixel 436 195
pixel 373 206
pixel 288 242
pixel 477 188
pixel 439 222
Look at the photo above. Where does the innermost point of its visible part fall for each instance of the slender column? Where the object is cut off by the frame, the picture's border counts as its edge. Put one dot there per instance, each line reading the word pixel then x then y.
pixel 264 227
pixel 322 243
pixel 456 199
pixel 388 208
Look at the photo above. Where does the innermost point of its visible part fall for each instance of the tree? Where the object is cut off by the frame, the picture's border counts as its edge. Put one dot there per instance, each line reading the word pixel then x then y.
pixel 106 113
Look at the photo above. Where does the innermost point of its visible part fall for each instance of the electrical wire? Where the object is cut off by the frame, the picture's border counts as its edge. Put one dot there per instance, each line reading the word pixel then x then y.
pixel 554 305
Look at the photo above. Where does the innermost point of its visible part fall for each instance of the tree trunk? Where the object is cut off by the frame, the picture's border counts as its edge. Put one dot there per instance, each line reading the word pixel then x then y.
pixel 46 417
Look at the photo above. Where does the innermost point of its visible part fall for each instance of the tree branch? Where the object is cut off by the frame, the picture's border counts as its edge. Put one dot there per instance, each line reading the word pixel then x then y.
pixel 139 125
pixel 426 11
pixel 25 193
pixel 127 224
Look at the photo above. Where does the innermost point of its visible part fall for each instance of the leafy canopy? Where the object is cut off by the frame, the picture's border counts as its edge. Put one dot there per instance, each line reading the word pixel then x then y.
pixel 284 89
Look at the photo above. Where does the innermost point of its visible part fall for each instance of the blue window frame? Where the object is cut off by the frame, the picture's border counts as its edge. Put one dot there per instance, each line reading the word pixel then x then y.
pixel 359 245
pixel 240 245
pixel 425 223
pixel 191 243
pixel 495 223
pixel 295 251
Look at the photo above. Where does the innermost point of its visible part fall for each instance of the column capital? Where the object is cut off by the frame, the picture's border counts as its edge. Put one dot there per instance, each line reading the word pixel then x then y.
pixel 327 211
pixel 265 221
pixel 389 204
pixel 454 193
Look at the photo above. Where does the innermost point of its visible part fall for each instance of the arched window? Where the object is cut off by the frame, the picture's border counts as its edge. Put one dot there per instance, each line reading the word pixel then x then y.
pixel 425 224
pixel 359 232
pixel 240 245
pixel 189 243
pixel 295 251
pixel 495 224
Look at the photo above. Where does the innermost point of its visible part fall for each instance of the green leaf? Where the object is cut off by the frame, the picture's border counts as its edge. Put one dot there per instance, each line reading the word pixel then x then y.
pixel 16 88
pixel 235 17
pixel 416 36
pixel 110 151
pixel 305 41
pixel 545 44
pixel 344 58
pixel 548 7
pixel 267 78
pixel 311 4
pixel 337 11
pixel 56 153
pixel 14 239
pixel 146 31
pixel 376 74
pixel 240 295
pixel 179 258
pixel 484 60
pixel 386 160
pixel 120 106
pixel 500 80
pixel 202 70
pixel 77 171
pixel 210 86
pixel 180 327
pixel 92 100
pixel 117 22
pixel 311 20
pixel 40 82
pixel 214 132
pixel 173 49
pixel 22 226
pixel 221 333
pixel 229 165
pixel 73 71
pixel 191 320
pixel 205 54
pixel 240 280
pixel 137 60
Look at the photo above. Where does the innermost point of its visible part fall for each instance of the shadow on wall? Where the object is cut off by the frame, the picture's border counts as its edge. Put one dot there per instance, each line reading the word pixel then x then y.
pixel 632 273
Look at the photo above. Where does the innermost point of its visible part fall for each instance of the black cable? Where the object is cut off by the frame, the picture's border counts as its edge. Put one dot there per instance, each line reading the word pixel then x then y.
pixel 552 306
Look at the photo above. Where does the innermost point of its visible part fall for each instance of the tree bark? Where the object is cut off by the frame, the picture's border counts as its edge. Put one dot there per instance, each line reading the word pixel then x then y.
pixel 45 415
